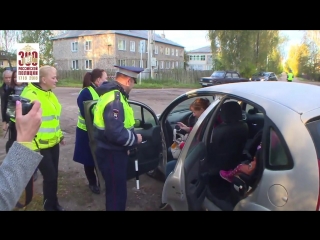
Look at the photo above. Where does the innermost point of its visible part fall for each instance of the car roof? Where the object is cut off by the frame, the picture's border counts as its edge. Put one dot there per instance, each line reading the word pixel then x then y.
pixel 300 97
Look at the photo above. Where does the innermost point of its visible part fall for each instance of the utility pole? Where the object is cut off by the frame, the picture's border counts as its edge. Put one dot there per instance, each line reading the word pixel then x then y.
pixel 150 50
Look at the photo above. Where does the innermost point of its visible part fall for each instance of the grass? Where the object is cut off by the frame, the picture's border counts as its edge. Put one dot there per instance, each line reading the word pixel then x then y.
pixel 145 84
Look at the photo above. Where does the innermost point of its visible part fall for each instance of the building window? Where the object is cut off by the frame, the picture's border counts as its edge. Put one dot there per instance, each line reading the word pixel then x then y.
pixel 177 64
pixel 161 50
pixel 172 65
pixel 88 46
pixel 156 49
pixel 172 52
pixel 1 63
pixel 132 46
pixel 88 64
pixel 167 65
pixel 162 65
pixel 75 65
pixel 74 46
pixel 122 62
pixel 167 51
pixel 122 45
pixel 197 57
pixel 177 52
pixel 133 62
pixel 141 63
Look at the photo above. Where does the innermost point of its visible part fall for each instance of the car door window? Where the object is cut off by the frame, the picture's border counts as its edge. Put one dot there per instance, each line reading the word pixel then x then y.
pixel 144 115
pixel 228 75
pixel 278 158
pixel 235 75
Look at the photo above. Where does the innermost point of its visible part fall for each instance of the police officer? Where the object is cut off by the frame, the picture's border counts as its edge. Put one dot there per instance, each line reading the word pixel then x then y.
pixel 290 76
pixel 49 135
pixel 114 135
pixel 82 153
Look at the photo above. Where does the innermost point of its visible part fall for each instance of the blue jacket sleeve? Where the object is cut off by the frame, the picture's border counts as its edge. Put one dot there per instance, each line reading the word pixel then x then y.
pixel 85 95
pixel 15 172
pixel 115 131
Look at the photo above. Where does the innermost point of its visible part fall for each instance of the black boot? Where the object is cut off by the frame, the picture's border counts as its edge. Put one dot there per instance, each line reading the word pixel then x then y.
pixel 59 208
pixel 94 188
pixel 49 205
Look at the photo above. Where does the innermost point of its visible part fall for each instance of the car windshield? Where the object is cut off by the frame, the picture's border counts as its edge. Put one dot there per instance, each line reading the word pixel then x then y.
pixel 185 105
pixel 261 74
pixel 217 74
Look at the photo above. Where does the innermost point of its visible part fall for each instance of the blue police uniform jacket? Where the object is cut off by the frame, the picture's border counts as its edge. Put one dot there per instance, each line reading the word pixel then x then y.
pixel 115 135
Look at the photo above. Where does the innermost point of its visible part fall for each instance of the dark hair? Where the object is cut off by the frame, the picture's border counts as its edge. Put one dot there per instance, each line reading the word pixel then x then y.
pixel 91 77
pixel 12 82
pixel 200 103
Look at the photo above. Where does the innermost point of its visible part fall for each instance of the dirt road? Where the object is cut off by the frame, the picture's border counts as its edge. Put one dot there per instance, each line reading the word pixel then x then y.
pixel 74 193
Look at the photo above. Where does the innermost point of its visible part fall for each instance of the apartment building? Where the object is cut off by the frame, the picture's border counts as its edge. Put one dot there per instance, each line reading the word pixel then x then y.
pixel 89 49
pixel 200 59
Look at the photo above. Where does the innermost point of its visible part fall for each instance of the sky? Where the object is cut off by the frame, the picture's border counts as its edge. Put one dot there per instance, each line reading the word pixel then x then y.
pixel 194 39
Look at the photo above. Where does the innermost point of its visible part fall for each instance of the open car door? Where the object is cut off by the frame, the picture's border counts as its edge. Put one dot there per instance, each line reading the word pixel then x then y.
pixel 88 115
pixel 185 187
pixel 146 154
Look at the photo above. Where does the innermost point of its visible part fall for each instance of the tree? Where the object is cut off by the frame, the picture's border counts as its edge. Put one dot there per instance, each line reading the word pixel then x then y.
pixel 246 51
pixel 8 40
pixel 43 37
pixel 185 60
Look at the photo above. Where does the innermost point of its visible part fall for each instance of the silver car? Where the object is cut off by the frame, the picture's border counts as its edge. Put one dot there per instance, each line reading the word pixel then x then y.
pixel 283 117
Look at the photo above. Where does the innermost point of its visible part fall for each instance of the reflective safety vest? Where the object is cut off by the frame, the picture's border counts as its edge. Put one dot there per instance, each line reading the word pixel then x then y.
pixel 81 121
pixel 290 76
pixel 49 133
pixel 106 98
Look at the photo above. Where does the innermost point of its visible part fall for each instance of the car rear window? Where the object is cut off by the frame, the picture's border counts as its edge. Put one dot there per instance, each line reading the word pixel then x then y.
pixel 314 130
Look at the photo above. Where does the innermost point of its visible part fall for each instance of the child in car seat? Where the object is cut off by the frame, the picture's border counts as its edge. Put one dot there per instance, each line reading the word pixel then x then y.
pixel 246 168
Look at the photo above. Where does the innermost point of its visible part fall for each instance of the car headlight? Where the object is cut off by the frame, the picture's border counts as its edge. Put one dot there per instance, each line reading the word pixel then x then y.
pixel 249 79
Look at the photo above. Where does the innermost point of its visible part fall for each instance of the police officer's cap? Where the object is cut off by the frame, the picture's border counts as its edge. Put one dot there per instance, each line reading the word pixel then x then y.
pixel 130 71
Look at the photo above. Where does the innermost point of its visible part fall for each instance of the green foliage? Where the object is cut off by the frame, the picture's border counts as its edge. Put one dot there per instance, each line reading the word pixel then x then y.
pixel 247 51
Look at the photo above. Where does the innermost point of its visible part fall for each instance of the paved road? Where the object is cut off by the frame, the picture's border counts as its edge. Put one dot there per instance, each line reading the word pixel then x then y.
pixel 299 80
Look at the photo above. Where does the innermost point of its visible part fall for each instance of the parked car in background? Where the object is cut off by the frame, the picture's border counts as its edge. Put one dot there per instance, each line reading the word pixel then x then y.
pixel 264 76
pixel 222 77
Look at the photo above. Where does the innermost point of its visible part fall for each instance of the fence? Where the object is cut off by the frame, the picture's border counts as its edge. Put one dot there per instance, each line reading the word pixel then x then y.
pixel 179 75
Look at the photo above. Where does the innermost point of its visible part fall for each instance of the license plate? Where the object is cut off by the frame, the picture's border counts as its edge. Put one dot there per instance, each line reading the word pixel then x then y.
pixel 204 84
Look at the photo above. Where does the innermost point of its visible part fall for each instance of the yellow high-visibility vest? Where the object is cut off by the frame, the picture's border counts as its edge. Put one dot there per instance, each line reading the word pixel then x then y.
pixel 49 133
pixel 81 121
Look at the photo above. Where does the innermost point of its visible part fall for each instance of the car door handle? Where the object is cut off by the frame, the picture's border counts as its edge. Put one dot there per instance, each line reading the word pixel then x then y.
pixel 144 141
pixel 254 124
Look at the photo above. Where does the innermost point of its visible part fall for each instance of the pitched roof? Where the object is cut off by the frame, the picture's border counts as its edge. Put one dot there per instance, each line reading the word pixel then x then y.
pixel 206 49
pixel 134 33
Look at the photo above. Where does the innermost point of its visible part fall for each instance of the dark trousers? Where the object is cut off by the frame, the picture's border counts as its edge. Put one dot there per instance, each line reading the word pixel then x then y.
pixel 113 167
pixel 90 173
pixel 12 131
pixel 49 170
